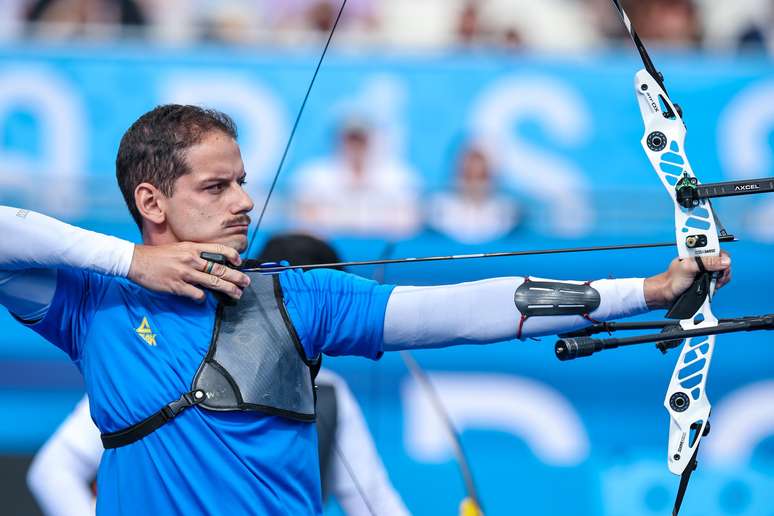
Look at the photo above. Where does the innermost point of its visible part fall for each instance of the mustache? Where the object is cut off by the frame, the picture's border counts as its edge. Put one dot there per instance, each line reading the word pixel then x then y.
pixel 239 221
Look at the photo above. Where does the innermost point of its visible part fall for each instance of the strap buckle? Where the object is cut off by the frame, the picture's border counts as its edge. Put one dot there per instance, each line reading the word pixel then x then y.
pixel 188 399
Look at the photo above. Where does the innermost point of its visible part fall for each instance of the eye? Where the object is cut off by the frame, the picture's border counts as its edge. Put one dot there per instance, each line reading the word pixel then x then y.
pixel 216 188
pixel 242 181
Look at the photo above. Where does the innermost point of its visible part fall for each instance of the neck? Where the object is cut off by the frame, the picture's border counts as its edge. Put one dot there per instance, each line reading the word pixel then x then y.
pixel 158 234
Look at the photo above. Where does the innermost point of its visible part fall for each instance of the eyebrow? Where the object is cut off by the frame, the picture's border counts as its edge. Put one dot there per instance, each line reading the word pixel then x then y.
pixel 217 177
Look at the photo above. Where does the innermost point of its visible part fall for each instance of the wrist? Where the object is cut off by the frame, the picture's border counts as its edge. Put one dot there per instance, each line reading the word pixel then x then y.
pixel 653 290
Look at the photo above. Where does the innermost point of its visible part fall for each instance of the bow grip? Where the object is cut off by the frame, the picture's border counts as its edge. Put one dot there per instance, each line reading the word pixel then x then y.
pixel 689 302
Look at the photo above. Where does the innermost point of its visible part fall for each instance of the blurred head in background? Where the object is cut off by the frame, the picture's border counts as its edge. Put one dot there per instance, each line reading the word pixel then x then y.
pixel 74 18
pixel 669 22
pixel 181 174
pixel 474 177
pixel 298 249
pixel 355 146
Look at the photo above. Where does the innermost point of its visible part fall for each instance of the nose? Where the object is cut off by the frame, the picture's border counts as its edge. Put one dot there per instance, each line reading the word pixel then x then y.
pixel 244 203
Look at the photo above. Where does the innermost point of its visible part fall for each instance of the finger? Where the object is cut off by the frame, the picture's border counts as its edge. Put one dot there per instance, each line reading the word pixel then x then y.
pixel 234 276
pixel 206 265
pixel 717 263
pixel 231 275
pixel 231 254
pixel 191 292
pixel 724 279
pixel 201 265
pixel 215 283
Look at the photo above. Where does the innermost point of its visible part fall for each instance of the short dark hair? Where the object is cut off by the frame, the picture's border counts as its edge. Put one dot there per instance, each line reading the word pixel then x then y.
pixel 153 149
pixel 298 249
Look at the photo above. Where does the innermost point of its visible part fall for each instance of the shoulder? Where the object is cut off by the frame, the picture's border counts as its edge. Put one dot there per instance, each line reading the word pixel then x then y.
pixel 323 281
pixel 84 288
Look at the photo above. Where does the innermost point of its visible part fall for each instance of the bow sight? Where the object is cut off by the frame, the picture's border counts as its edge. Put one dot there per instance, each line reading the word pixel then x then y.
pixel 690 193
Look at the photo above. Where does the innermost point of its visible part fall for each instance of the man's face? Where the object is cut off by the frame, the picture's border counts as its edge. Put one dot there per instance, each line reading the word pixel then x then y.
pixel 209 204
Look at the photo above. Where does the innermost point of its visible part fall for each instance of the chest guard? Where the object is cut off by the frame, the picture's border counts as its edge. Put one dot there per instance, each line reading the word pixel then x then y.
pixel 255 362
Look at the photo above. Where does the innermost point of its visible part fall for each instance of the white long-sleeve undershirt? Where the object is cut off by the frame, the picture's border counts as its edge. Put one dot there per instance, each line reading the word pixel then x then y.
pixel 34 241
pixel 34 246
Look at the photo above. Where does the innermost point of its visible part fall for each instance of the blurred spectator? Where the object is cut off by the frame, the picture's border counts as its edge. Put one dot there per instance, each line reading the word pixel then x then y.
pixel 673 23
pixel 550 25
pixel 11 19
pixel 230 21
pixel 186 21
pixel 470 28
pixel 474 28
pixel 78 18
pixel 603 15
pixel 473 212
pixel 355 191
pixel 747 25
pixel 319 16
pixel 511 38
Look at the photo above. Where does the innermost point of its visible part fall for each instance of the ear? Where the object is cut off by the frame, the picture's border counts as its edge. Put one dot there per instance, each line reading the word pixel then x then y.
pixel 151 203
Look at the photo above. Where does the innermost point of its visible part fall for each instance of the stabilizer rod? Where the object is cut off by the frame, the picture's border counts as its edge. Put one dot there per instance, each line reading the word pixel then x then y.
pixel 571 348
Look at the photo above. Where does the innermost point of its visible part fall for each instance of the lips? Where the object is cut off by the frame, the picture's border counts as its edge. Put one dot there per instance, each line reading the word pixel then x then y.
pixel 241 224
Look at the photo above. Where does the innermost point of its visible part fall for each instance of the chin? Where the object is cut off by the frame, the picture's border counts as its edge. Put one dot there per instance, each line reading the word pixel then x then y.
pixel 240 244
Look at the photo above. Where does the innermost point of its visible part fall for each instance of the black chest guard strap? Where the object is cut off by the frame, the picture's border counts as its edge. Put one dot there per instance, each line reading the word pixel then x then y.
pixel 152 423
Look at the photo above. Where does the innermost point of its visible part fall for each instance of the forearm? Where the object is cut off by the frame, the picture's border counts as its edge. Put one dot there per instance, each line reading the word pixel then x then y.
pixel 483 312
pixel 35 241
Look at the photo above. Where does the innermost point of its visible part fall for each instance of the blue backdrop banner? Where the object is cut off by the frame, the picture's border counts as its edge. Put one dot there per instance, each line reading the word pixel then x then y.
pixel 563 135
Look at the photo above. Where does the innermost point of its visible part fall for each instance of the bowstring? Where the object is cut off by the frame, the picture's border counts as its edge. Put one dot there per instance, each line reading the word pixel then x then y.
pixel 358 487
pixel 295 128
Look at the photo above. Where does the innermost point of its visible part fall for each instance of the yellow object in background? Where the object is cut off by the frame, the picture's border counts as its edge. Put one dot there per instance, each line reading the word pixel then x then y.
pixel 468 507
